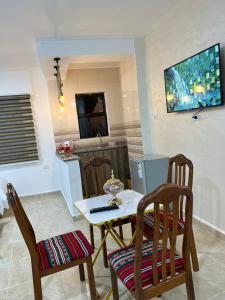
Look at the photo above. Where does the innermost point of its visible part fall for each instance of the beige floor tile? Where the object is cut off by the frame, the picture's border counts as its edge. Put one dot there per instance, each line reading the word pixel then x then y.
pixel 6 230
pixel 3 294
pixel 52 288
pixel 20 272
pixel 220 296
pixel 19 250
pixel 4 275
pixel 22 291
pixel 16 282
pixel 5 253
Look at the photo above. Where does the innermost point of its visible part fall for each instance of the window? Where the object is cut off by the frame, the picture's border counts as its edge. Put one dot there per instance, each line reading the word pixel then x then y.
pixel 17 134
pixel 91 114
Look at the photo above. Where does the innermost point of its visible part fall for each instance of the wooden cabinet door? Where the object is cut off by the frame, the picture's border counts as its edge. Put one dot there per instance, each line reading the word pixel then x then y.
pixel 120 164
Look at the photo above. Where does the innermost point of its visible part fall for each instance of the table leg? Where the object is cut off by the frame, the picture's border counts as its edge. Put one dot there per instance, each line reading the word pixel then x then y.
pixel 118 237
pixel 115 236
pixel 110 230
pixel 130 243
pixel 104 248
pixel 108 294
pixel 133 238
pixel 100 246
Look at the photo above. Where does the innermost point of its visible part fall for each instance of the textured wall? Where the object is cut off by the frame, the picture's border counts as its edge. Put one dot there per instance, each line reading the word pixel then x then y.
pixel 33 177
pixel 130 108
pixel 85 81
pixel 120 87
pixel 193 27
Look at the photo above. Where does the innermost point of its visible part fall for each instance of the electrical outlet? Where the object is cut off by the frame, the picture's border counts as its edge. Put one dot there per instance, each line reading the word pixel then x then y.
pixel 196 118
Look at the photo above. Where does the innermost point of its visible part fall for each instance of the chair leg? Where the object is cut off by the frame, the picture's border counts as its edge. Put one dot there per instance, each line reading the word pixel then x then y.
pixel 190 287
pixel 92 236
pixel 81 272
pixel 114 284
pixel 37 284
pixel 104 248
pixel 132 228
pixel 91 279
pixel 121 231
pixel 194 256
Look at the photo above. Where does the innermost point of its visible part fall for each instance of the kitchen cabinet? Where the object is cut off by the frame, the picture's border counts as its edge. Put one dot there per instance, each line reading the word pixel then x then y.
pixel 117 154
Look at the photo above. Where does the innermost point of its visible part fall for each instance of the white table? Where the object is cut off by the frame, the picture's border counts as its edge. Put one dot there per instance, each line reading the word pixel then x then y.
pixel 130 200
pixel 128 208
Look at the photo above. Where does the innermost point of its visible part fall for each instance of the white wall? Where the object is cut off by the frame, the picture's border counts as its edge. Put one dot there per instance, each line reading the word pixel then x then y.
pixel 69 48
pixel 192 28
pixel 131 108
pixel 39 177
pixel 86 81
pixel 129 91
pixel 32 178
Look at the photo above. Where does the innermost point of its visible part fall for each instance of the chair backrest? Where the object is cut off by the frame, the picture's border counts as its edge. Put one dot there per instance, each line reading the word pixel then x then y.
pixel 95 172
pixel 22 220
pixel 163 198
pixel 180 172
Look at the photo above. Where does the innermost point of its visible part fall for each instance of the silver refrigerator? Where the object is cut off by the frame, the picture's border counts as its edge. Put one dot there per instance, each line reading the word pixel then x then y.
pixel 148 172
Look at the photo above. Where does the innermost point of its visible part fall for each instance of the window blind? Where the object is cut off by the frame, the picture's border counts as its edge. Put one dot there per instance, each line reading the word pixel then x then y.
pixel 17 133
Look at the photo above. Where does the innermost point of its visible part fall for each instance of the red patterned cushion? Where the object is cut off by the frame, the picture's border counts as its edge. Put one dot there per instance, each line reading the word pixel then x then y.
pixel 149 223
pixel 122 262
pixel 63 249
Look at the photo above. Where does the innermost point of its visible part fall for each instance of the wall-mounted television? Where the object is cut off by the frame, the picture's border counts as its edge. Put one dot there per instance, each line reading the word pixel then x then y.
pixel 195 83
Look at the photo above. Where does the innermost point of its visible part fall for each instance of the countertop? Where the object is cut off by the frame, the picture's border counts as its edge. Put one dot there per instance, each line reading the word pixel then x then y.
pixel 73 155
pixel 67 156
pixel 98 148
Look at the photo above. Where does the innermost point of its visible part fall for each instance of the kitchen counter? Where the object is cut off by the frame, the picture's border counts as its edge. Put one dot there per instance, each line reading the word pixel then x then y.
pixel 69 180
pixel 69 173
pixel 98 148
pixel 67 156
pixel 73 155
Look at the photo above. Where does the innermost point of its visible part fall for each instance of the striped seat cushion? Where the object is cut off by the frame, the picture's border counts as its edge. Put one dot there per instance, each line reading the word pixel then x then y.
pixel 122 261
pixel 63 249
pixel 149 223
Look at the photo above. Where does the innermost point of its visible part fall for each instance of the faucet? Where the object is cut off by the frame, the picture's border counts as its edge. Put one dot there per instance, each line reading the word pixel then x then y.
pixel 100 139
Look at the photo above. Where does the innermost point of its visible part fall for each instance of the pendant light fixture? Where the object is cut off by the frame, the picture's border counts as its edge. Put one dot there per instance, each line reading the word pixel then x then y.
pixel 59 83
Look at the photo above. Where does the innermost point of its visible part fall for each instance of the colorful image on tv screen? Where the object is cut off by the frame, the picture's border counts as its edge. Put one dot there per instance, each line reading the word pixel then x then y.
pixel 195 82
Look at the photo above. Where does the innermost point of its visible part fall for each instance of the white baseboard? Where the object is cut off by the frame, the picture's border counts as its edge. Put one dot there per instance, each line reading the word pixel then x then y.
pixel 73 215
pixel 42 193
pixel 218 232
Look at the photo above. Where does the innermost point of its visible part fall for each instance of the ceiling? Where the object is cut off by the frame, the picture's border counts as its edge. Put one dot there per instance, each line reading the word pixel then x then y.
pixel 23 21
pixel 83 62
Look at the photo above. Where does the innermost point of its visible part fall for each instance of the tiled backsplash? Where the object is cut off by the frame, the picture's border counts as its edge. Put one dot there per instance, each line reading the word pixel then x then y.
pixel 129 133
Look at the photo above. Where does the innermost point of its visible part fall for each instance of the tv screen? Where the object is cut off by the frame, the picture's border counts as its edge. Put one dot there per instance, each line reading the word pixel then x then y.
pixel 195 82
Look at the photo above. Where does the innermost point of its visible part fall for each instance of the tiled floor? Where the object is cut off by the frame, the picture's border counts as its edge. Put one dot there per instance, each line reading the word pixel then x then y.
pixel 49 216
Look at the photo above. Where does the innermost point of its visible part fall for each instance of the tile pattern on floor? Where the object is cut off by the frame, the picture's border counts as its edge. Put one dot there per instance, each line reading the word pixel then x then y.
pixel 49 216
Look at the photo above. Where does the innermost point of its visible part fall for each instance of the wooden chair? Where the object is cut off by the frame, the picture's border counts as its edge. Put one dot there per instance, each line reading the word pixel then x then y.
pixel 54 254
pixel 180 172
pixel 95 173
pixel 157 268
